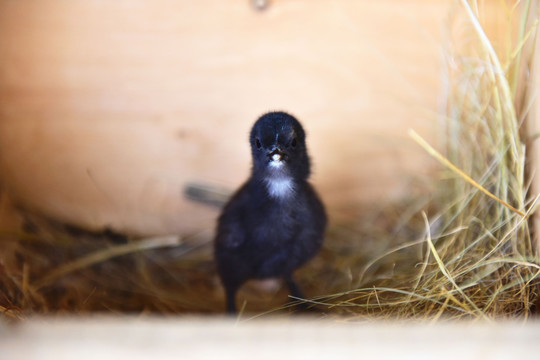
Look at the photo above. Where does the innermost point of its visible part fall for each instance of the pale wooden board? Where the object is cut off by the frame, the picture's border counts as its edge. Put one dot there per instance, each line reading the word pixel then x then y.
pixel 108 109
pixel 294 338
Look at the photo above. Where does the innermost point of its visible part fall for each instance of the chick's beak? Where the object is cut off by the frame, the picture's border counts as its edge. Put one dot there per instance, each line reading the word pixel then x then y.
pixel 276 157
pixel 275 154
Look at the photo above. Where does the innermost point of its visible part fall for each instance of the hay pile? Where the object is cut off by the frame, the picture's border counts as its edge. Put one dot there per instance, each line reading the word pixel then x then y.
pixel 475 258
pixel 465 252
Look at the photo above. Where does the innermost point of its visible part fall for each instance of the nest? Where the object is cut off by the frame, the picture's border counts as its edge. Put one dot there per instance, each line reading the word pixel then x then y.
pixel 464 252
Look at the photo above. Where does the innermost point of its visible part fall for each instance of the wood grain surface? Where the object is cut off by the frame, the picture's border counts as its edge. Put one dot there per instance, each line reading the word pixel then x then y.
pixel 295 338
pixel 109 109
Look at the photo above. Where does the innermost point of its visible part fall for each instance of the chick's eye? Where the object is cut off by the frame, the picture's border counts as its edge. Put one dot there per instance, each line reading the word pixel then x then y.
pixel 293 143
pixel 258 143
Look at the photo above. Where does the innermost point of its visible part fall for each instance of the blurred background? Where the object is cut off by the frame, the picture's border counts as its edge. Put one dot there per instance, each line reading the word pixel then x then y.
pixel 108 110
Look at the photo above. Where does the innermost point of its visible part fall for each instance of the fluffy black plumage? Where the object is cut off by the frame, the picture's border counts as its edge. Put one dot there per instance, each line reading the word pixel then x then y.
pixel 275 222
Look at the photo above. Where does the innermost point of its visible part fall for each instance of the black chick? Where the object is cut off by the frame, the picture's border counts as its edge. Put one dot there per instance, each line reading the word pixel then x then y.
pixel 275 222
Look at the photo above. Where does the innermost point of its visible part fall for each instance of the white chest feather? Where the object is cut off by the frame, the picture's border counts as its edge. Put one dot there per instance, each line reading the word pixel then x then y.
pixel 280 188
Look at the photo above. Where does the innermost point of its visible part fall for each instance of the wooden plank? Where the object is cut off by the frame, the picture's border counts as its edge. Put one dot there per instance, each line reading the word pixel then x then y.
pixel 294 338
pixel 108 109
pixel 532 129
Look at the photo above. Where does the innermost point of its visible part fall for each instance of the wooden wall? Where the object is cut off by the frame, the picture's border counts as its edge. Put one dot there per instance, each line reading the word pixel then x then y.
pixel 533 132
pixel 109 108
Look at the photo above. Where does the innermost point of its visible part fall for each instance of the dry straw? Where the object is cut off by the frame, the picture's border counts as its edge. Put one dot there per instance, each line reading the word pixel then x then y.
pixel 473 256
pixel 477 258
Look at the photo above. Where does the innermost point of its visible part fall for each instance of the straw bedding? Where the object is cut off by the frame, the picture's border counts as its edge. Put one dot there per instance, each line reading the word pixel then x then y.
pixel 464 252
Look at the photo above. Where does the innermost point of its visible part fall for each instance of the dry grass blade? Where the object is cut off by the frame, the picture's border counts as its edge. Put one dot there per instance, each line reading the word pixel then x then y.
pixel 445 272
pixel 107 254
pixel 454 168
